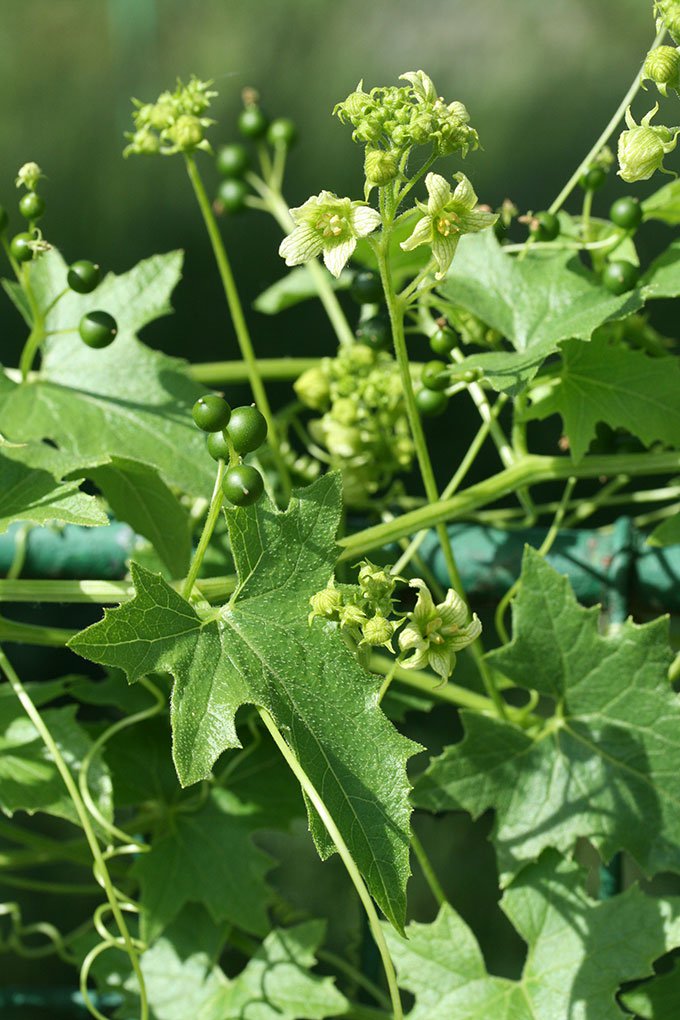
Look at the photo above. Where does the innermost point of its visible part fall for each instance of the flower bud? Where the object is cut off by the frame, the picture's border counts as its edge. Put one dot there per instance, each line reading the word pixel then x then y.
pixel 142 143
pixel 327 603
pixel 312 389
pixel 668 15
pixel 186 133
pixel 376 583
pixel 662 66
pixel 643 147
pixel 28 176
pixel 380 166
pixel 377 631
pixel 352 616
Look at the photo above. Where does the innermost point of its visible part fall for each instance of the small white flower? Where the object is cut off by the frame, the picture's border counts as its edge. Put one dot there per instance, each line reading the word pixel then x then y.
pixel 435 633
pixel 327 225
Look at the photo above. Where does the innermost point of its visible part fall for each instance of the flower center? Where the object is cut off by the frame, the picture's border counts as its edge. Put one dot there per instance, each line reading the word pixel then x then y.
pixel 447 224
pixel 331 224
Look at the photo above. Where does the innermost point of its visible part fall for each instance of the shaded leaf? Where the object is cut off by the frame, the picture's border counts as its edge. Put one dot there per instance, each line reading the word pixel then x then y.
pixel 658 999
pixel 667 533
pixel 296 286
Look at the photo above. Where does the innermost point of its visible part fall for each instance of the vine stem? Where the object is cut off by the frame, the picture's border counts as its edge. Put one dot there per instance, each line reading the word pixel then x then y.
pixel 238 318
pixel 204 541
pixel 37 334
pixel 217 373
pixel 347 859
pixel 428 870
pixel 396 310
pixel 606 134
pixel 84 819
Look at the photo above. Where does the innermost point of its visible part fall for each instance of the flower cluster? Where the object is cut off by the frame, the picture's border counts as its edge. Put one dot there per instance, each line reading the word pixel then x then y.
pixel 329 226
pixel 174 123
pixel 643 146
pixel 364 426
pixel 398 118
pixel 668 16
pixel 362 610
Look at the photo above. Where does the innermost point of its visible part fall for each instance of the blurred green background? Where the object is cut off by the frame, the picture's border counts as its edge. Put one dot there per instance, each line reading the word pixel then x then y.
pixel 540 80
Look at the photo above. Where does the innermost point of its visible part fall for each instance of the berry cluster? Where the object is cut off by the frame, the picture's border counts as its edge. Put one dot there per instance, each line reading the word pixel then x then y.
pixel 233 434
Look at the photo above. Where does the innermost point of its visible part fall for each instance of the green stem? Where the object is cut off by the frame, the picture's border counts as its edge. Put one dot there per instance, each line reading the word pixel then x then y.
pixel 84 819
pixel 532 470
pixel 32 634
pixel 208 528
pixel 674 670
pixel 347 859
pixel 37 335
pixel 354 975
pixel 428 870
pixel 103 593
pixel 606 134
pixel 238 318
pixel 219 373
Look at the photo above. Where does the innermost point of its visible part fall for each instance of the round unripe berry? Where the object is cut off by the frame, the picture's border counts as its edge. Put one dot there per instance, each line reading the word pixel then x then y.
pixel 243 485
pixel 430 403
pixel 20 248
pixel 211 413
pixel 231 194
pixel 443 341
pixel 98 329
pixel 252 122
pixel 544 226
pixel 375 332
pixel 619 276
pixel 247 429
pixel 232 160
pixel 434 376
pixel 31 206
pixel 626 213
pixel 282 131
pixel 366 288
pixel 593 179
pixel 218 446
pixel 83 276
pixel 4 219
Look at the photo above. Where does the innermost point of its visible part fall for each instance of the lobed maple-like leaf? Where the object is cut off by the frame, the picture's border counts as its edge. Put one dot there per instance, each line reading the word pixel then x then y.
pixel 604 766
pixel 259 649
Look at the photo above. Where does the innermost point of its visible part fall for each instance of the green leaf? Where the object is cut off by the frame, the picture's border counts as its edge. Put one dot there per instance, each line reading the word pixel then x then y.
pixel 126 401
pixel 259 649
pixel 534 302
pixel 667 533
pixel 296 286
pixel 604 382
pixel 17 296
pixel 32 488
pixel 276 983
pixel 578 952
pixel 603 767
pixel 658 999
pixel 662 279
pixel 138 496
pixel 207 856
pixel 664 204
pixel 29 780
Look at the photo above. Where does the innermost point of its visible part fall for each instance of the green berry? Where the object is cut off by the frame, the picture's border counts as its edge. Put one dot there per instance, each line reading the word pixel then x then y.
pixel 97 329
pixel 232 160
pixel 20 247
pixel 83 276
pixel 247 429
pixel 619 276
pixel 593 179
pixel 375 332
pixel 211 413
pixel 430 403
pixel 443 341
pixel 4 219
pixel 231 194
pixel 544 226
pixel 626 213
pixel 282 131
pixel 31 206
pixel 434 376
pixel 252 122
pixel 243 485
pixel 366 288
pixel 218 446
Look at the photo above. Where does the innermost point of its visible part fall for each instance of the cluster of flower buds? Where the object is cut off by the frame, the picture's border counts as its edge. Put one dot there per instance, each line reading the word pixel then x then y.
pixel 668 17
pixel 364 426
pixel 431 634
pixel 394 119
pixel 174 123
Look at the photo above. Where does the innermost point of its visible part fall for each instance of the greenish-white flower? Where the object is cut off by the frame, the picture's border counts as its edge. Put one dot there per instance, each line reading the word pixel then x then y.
pixel 447 215
pixel 435 633
pixel 28 176
pixel 643 146
pixel 327 225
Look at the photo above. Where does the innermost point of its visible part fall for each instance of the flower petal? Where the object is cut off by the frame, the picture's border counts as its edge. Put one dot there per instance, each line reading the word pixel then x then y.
pixel 442 661
pixel 474 221
pixel 336 255
pixel 410 637
pixel 453 610
pixel 422 234
pixel 464 193
pixel 424 610
pixel 302 245
pixel 439 193
pixel 364 220
pixel 443 249
pixel 418 660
